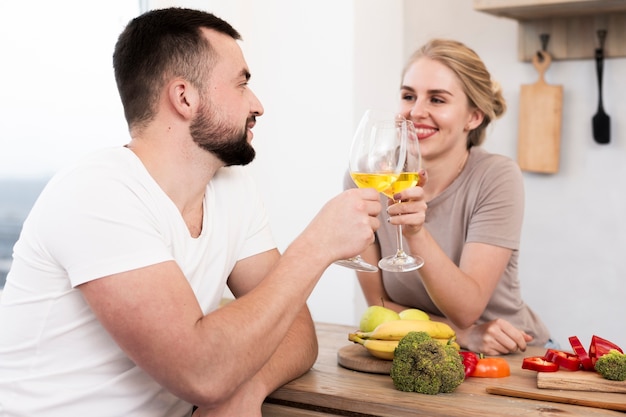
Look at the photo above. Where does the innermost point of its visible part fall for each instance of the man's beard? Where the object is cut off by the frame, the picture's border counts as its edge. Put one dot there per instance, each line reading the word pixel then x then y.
pixel 229 144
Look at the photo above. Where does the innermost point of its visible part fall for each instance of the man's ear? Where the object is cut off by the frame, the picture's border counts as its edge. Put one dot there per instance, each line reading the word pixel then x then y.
pixel 183 98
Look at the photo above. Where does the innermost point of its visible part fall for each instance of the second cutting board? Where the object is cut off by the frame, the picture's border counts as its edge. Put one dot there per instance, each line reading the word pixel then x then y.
pixel 579 381
pixel 539 132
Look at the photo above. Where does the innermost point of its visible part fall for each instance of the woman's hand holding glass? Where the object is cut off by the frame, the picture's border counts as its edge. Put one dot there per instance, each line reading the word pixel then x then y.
pixel 409 177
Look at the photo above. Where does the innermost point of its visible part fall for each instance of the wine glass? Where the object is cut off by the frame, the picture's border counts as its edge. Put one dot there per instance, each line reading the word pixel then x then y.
pixel 409 177
pixel 377 156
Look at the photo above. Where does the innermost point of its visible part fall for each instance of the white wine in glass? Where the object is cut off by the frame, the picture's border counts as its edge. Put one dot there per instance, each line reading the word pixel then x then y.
pixel 377 156
pixel 408 177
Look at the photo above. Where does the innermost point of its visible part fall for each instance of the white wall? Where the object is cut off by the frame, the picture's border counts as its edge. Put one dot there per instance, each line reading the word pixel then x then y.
pixel 316 66
pixel 572 266
pixel 342 57
pixel 58 98
pixel 572 271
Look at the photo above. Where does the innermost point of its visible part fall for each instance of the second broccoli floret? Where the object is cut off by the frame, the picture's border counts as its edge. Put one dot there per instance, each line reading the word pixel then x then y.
pixel 423 365
pixel 612 366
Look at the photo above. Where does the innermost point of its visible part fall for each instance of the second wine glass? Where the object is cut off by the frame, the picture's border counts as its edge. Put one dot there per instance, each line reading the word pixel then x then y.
pixel 408 177
pixel 377 156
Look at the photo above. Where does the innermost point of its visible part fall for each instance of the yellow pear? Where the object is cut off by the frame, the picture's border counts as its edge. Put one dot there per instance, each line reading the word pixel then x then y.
pixel 413 314
pixel 375 315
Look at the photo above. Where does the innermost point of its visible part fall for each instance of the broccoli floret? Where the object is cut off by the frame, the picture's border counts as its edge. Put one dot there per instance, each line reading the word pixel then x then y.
pixel 452 370
pixel 612 365
pixel 421 364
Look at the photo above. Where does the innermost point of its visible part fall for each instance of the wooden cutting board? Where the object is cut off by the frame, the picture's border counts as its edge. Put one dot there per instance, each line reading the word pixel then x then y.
pixel 599 400
pixel 539 129
pixel 579 381
pixel 357 358
pixel 579 388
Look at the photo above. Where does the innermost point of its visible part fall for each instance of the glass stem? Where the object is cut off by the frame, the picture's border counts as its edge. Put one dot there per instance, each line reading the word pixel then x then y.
pixel 400 253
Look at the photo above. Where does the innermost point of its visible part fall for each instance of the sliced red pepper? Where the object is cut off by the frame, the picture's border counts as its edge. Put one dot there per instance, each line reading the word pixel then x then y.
pixel 470 359
pixel 600 347
pixel 585 360
pixel 492 368
pixel 566 360
pixel 539 364
pixel 550 354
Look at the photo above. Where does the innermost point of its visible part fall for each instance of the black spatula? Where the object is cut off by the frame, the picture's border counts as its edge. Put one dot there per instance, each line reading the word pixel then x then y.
pixel 601 121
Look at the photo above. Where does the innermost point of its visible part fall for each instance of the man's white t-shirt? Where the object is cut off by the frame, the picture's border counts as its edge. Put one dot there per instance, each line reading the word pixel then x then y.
pixel 103 216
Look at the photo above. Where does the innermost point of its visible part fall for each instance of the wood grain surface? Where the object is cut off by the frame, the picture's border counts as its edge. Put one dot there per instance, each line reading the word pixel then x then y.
pixel 564 397
pixel 539 124
pixel 579 381
pixel 333 389
pixel 357 358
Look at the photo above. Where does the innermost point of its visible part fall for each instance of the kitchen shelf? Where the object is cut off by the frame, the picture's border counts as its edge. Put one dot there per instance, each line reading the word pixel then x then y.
pixel 572 25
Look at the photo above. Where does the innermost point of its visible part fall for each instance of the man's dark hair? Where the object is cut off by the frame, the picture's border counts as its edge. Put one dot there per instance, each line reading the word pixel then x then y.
pixel 157 46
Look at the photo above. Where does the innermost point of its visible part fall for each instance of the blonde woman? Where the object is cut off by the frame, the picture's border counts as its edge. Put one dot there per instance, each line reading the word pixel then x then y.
pixel 465 221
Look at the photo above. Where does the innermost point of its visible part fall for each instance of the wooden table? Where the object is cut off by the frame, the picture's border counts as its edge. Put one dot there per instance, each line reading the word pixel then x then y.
pixel 328 389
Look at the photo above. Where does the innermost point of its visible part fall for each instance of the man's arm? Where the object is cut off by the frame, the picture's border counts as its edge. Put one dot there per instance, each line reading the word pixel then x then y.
pixel 292 358
pixel 297 352
pixel 153 315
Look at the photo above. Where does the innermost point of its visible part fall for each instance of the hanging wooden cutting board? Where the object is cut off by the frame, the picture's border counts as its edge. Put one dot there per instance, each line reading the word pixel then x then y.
pixel 539 133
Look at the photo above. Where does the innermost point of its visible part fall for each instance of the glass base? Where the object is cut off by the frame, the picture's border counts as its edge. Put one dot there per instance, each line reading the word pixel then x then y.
pixel 401 263
pixel 357 263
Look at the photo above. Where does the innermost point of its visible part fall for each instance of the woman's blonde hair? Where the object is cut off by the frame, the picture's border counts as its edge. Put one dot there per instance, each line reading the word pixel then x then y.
pixel 482 92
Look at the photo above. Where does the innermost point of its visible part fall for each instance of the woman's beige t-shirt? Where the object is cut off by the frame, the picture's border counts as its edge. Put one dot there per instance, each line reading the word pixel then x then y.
pixel 485 203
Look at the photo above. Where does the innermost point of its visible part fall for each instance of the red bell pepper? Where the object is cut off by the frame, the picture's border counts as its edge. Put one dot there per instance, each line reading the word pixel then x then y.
pixel 566 360
pixel 585 360
pixel 470 359
pixel 539 364
pixel 549 355
pixel 580 359
pixel 600 347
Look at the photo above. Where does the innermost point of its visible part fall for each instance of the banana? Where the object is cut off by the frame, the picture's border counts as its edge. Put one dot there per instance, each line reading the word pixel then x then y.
pixel 385 349
pixel 382 349
pixel 397 329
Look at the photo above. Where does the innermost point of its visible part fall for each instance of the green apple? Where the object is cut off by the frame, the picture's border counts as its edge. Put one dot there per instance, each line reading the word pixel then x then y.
pixel 413 314
pixel 375 315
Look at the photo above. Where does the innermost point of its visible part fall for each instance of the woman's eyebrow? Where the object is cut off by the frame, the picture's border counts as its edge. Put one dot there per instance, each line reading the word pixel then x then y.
pixel 434 91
